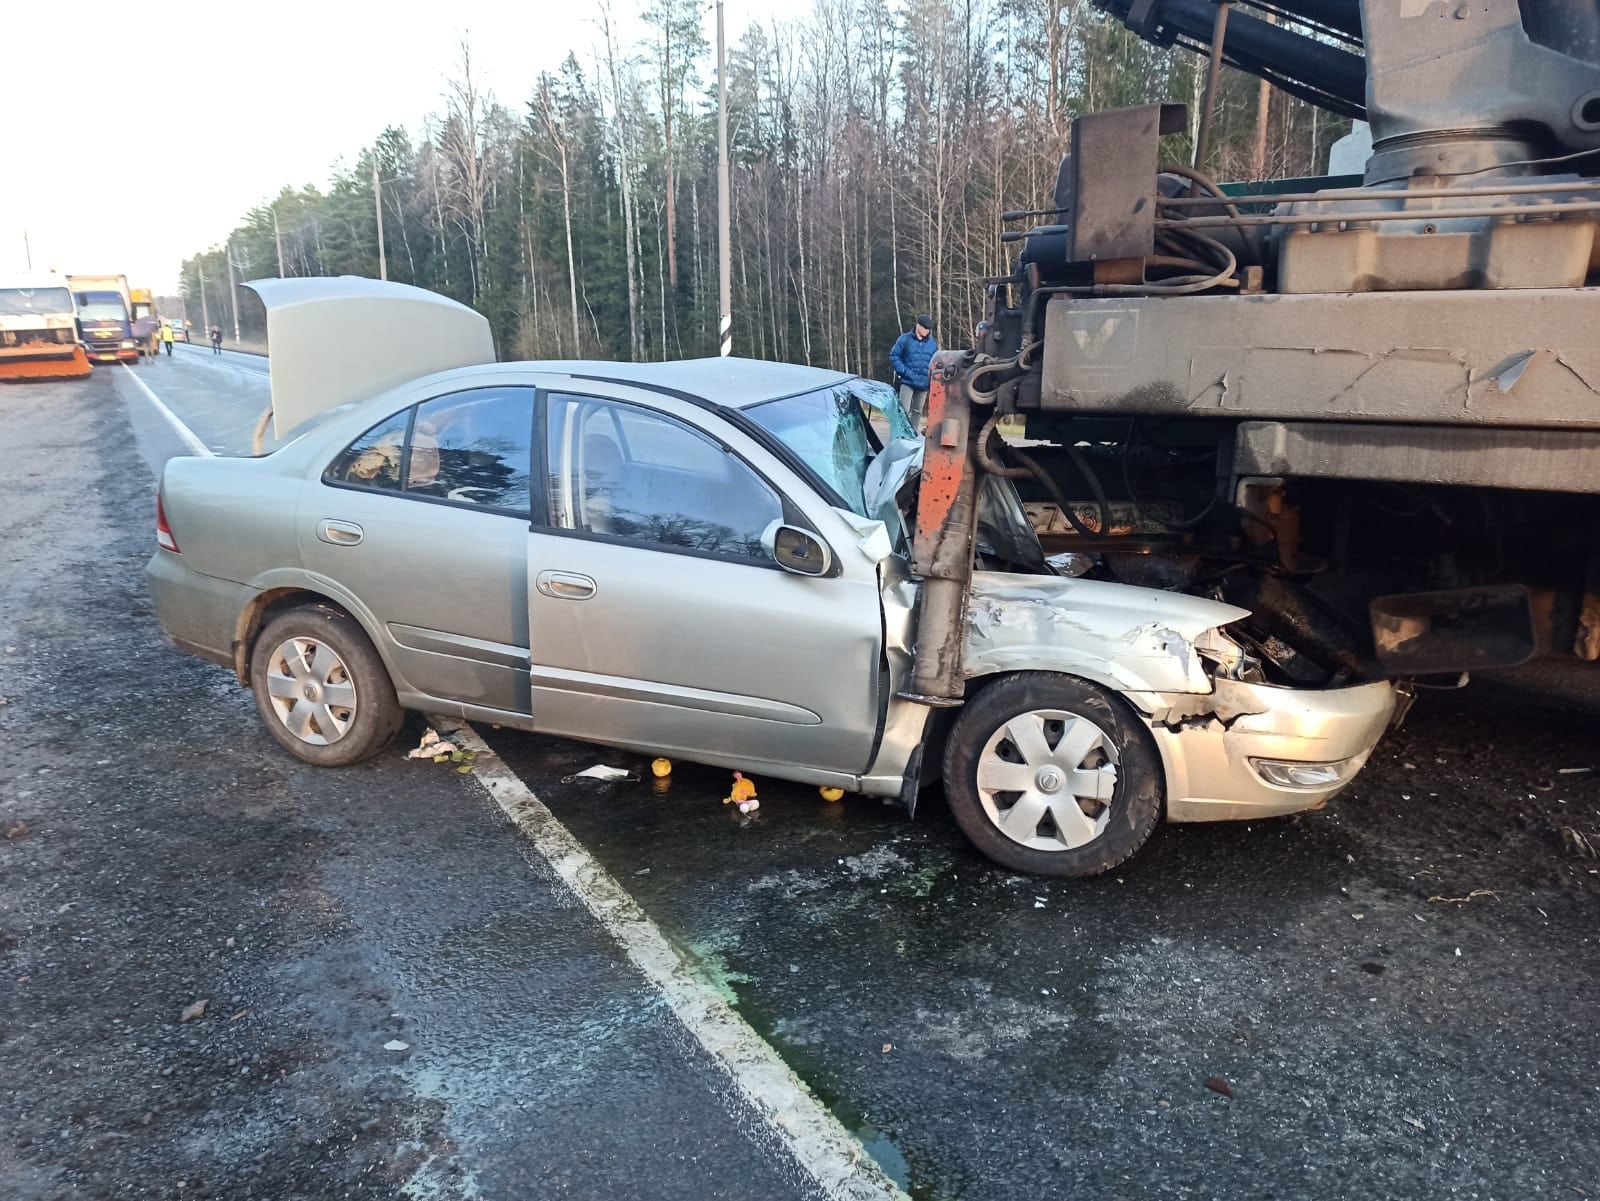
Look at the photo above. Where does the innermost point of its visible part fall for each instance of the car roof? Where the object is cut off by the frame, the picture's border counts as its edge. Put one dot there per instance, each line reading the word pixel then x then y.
pixel 733 382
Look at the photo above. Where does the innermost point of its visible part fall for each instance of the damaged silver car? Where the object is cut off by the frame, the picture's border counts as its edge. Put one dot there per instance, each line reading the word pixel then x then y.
pixel 701 559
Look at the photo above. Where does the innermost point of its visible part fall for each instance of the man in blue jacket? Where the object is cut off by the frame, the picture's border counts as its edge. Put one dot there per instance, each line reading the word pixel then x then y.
pixel 913 352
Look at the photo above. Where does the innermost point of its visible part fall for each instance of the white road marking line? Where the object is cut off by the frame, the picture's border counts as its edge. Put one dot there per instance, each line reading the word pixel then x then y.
pixel 183 431
pixel 820 1144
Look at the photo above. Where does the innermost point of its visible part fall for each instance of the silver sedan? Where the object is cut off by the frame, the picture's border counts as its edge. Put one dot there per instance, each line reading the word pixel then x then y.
pixel 705 560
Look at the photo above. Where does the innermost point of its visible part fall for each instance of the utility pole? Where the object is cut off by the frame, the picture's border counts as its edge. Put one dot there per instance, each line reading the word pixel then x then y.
pixel 29 248
pixel 233 288
pixel 278 238
pixel 377 203
pixel 724 222
pixel 205 311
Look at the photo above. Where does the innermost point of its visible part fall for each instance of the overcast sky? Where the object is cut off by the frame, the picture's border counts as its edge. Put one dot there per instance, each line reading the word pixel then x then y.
pixel 128 149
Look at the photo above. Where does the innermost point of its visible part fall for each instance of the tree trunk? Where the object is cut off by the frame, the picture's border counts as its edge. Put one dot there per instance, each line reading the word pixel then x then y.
pixel 635 332
pixel 572 269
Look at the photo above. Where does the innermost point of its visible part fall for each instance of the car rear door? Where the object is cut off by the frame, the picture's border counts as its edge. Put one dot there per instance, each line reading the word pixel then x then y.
pixel 657 619
pixel 423 521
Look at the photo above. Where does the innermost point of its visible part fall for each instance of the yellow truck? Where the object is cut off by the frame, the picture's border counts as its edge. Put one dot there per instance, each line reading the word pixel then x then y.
pixel 146 325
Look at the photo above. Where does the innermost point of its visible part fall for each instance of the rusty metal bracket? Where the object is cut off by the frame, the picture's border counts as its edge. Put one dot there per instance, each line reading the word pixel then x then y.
pixel 942 547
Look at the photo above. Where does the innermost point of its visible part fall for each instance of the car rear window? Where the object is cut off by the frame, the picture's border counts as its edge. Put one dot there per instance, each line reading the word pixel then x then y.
pixel 373 460
pixel 474 448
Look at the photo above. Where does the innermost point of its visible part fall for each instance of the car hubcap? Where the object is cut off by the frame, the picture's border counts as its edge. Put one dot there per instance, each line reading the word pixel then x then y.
pixel 1046 779
pixel 311 691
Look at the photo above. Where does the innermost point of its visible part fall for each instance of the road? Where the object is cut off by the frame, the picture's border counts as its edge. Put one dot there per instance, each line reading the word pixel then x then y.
pixel 1398 991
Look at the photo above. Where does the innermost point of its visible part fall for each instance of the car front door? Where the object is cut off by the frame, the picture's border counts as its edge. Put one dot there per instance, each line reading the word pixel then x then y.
pixel 658 620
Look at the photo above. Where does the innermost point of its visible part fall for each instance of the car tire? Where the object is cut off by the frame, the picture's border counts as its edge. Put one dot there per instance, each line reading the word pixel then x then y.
pixel 1088 781
pixel 321 689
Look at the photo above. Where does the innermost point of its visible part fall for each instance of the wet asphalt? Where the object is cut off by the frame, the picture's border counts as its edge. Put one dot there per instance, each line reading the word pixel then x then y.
pixel 1399 992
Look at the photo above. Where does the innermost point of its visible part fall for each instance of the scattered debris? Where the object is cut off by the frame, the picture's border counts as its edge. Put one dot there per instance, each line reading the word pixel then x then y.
pixel 433 747
pixel 17 830
pixel 1573 771
pixel 1576 841
pixel 743 794
pixel 229 944
pixel 831 794
pixel 194 1012
pixel 394 1044
pixel 1372 969
pixel 1218 1085
pixel 600 772
pixel 1473 895
pixel 661 768
pixel 887 1047
pixel 1411 1121
pixel 235 1017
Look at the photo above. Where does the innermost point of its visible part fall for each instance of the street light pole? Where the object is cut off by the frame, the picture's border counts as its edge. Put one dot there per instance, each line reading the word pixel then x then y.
pixel 278 238
pixel 377 203
pixel 233 288
pixel 724 223
pixel 205 311
pixel 27 246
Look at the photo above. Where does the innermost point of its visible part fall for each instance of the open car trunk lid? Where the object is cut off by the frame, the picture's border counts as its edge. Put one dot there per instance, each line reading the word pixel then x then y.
pixel 342 338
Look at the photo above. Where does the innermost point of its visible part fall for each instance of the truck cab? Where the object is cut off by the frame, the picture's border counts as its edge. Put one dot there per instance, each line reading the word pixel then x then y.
pixel 38 333
pixel 105 318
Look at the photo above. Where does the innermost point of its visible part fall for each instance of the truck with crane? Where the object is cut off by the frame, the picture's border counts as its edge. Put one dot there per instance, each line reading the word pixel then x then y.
pixel 1367 409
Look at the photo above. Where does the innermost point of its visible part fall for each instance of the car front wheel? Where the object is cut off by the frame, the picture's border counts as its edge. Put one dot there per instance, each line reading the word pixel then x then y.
pixel 321 688
pixel 1050 774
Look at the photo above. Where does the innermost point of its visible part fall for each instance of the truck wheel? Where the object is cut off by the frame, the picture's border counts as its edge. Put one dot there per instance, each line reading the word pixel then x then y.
pixel 1050 774
pixel 321 688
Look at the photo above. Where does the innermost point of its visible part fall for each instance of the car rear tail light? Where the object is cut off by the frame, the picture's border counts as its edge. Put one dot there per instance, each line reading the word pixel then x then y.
pixel 164 538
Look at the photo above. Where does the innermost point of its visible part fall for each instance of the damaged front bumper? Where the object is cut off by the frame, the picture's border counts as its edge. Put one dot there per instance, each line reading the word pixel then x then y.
pixel 1254 750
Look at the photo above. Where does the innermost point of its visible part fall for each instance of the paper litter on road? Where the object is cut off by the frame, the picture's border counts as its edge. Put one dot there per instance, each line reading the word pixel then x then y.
pixel 599 772
pixel 432 746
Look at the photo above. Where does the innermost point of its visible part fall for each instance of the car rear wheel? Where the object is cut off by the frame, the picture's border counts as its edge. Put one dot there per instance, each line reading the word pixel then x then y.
pixel 321 688
pixel 1050 774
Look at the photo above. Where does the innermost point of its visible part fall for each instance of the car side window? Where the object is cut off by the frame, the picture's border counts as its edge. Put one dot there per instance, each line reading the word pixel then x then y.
pixel 630 473
pixel 474 448
pixel 373 460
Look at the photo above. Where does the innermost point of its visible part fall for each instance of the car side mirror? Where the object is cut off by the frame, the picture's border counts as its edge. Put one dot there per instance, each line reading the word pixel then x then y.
pixel 797 550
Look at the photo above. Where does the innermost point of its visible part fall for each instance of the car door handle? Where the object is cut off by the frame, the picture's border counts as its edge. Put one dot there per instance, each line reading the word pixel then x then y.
pixel 565 585
pixel 339 533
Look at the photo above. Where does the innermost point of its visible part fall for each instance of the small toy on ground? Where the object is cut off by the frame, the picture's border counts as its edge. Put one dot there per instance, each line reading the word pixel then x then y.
pixel 661 768
pixel 743 794
pixel 831 794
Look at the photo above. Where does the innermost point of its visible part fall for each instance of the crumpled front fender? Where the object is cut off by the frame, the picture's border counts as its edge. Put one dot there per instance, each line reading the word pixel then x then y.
pixel 1130 639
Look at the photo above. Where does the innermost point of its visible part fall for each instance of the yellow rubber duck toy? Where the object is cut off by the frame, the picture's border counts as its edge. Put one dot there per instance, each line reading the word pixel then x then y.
pixel 831 794
pixel 743 794
pixel 661 768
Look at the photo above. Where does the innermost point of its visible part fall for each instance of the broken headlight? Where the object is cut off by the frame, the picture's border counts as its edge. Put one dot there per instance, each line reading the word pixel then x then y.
pixel 1228 658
